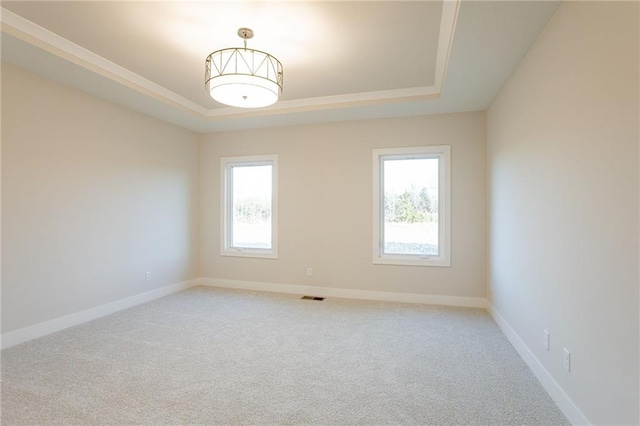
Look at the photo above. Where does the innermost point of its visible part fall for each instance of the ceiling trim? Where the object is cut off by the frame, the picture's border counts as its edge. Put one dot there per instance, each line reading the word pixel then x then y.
pixel 42 38
pixel 445 40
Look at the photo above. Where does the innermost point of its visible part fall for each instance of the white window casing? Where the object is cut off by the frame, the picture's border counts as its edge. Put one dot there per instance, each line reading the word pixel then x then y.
pixel 235 241
pixel 438 252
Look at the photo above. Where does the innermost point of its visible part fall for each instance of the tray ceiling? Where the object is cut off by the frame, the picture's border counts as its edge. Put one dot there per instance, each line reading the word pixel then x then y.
pixel 342 60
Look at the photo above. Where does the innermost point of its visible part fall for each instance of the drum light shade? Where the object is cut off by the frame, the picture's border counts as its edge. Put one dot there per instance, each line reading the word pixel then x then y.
pixel 242 77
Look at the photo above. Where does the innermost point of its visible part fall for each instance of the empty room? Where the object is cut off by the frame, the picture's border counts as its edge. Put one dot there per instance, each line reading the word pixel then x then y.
pixel 320 212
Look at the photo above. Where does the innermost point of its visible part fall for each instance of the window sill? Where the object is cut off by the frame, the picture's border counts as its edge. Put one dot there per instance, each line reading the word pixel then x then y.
pixel 250 253
pixel 412 261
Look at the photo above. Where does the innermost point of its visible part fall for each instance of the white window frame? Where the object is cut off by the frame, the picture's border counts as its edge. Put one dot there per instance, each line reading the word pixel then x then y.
pixel 443 154
pixel 226 163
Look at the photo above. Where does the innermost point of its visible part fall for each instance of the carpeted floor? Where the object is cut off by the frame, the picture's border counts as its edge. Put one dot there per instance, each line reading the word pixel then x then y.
pixel 212 356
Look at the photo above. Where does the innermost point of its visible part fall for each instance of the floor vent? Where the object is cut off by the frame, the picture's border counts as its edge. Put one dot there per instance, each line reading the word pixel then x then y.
pixel 312 298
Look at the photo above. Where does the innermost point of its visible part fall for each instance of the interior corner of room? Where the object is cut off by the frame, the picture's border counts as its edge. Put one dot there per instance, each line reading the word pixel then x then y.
pixel 112 197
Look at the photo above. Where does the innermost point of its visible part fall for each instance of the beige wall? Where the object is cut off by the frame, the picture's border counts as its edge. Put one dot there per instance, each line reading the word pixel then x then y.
pixel 325 212
pixel 563 159
pixel 93 195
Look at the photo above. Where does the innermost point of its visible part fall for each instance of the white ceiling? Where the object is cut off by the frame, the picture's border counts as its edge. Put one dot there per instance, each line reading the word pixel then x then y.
pixel 342 60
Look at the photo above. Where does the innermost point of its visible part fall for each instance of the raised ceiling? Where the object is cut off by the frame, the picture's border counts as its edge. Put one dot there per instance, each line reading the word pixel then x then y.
pixel 342 60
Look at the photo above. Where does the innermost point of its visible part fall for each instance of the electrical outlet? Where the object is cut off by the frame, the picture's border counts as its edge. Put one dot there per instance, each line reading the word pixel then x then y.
pixel 148 276
pixel 546 339
pixel 309 272
pixel 566 360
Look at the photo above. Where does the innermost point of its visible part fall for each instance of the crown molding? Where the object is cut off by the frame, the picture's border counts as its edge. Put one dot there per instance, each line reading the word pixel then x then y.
pixel 48 41
pixel 40 37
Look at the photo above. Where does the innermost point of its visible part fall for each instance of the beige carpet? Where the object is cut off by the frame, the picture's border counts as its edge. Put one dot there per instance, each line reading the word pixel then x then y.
pixel 211 356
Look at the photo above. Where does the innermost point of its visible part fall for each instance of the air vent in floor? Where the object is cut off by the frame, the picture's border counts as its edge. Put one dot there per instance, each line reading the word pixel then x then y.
pixel 312 298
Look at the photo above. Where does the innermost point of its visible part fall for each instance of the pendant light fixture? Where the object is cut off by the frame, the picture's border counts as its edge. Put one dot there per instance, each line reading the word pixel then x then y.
pixel 242 77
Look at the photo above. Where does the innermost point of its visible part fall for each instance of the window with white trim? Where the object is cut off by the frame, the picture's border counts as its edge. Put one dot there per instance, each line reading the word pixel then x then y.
pixel 411 206
pixel 249 206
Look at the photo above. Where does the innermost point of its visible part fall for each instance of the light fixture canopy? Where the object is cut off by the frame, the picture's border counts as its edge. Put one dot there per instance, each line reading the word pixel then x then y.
pixel 242 77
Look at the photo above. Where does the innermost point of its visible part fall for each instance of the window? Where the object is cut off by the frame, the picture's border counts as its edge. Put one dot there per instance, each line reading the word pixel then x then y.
pixel 249 206
pixel 411 206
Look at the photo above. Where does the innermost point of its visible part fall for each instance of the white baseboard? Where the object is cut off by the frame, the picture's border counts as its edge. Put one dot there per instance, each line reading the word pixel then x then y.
pixel 566 405
pixel 16 337
pixel 345 293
